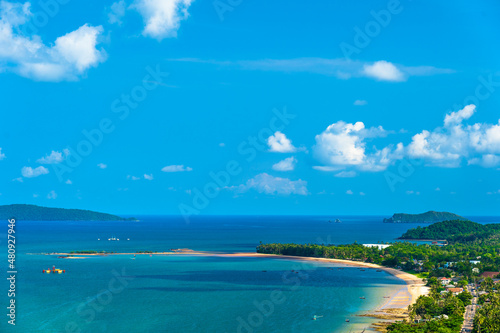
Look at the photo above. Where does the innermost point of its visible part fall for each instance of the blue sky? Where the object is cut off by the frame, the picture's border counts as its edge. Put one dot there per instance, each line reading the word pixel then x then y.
pixel 136 106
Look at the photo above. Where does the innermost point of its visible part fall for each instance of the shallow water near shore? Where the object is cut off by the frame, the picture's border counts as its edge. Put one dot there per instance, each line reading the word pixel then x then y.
pixel 183 293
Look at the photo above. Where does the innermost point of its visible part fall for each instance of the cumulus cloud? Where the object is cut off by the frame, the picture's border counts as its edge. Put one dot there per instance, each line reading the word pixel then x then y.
pixel 455 118
pixel 162 18
pixel 455 141
pixel 68 58
pixel 133 177
pixel 343 145
pixel 54 157
pixel 148 177
pixel 2 155
pixel 176 168
pixel 279 143
pixel 102 166
pixel 288 164
pixel 52 195
pixel 69 182
pixel 29 172
pixel 265 183
pixel 383 71
pixel 349 192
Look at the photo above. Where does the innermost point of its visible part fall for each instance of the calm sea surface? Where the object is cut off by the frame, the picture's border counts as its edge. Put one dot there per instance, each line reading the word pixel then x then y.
pixel 190 293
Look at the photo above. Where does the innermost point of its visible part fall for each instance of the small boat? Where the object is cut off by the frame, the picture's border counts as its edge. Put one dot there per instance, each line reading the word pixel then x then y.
pixel 378 270
pixel 347 320
pixel 362 297
pixel 387 296
pixel 338 221
pixel 54 270
pixel 316 317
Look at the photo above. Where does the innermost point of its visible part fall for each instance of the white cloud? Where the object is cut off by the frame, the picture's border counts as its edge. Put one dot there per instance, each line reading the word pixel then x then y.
pixel 343 145
pixel 450 145
pixel 383 71
pixel 68 58
pixel 162 17
pixel 288 164
pixel 69 182
pixel 52 195
pixel 133 177
pixel 117 11
pixel 18 179
pixel 340 68
pixel 279 143
pixel 222 144
pixel 326 168
pixel 2 155
pixel 265 183
pixel 349 192
pixel 54 157
pixel 346 174
pixel 148 177
pixel 362 193
pixel 35 195
pixel 437 189
pixel 455 118
pixel 102 166
pixel 29 172
pixel 360 102
pixel 176 168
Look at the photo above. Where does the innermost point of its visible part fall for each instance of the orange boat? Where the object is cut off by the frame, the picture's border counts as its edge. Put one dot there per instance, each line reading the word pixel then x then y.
pixel 54 270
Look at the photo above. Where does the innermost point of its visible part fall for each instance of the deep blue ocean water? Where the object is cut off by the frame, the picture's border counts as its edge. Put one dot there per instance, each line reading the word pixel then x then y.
pixel 194 293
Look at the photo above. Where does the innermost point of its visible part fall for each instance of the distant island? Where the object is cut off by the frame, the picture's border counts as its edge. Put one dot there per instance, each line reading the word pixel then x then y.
pixel 38 213
pixel 429 217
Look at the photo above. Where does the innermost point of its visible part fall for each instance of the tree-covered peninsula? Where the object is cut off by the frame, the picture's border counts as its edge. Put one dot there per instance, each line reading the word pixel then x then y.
pixel 38 213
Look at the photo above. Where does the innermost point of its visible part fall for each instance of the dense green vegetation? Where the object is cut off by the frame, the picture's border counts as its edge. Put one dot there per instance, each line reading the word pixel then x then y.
pixel 453 231
pixel 487 318
pixel 428 217
pixel 408 256
pixel 37 213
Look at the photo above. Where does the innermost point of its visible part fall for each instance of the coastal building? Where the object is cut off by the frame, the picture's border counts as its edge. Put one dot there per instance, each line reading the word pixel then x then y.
pixel 475 270
pixel 455 291
pixel 445 281
pixel 379 246
pixel 475 262
pixel 489 274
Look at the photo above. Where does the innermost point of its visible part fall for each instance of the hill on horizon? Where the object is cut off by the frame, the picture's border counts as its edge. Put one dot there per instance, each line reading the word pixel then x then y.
pixel 39 213
pixel 428 217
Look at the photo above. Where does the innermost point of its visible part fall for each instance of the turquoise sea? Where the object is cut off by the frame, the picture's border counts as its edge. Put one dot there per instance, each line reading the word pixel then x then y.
pixel 162 293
